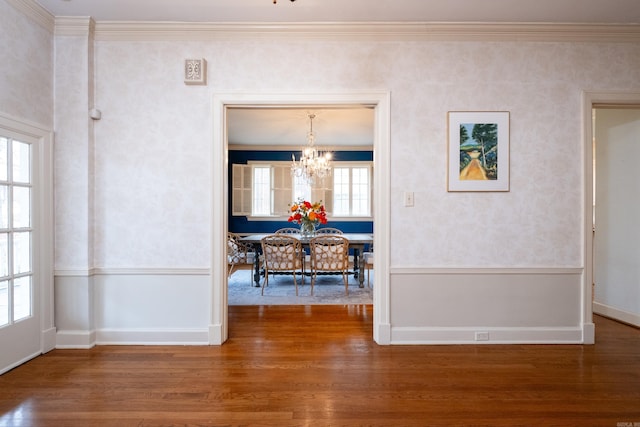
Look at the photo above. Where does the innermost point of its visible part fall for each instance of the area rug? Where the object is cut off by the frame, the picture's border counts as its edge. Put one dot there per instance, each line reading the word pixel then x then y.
pixel 281 291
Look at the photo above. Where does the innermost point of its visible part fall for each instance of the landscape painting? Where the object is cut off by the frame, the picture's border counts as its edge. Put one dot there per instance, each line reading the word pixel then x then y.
pixel 478 151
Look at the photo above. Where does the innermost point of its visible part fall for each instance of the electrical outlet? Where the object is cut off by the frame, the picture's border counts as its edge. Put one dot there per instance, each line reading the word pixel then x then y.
pixel 408 198
pixel 482 336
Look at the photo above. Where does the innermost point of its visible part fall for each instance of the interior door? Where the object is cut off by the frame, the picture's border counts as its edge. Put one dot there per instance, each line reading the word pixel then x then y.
pixel 19 294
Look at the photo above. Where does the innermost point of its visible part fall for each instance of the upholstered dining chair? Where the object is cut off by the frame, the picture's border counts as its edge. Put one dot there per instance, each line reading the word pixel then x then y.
pixel 281 253
pixel 329 253
pixel 240 256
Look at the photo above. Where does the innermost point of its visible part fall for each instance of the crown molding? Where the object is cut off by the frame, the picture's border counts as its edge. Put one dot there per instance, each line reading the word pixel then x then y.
pixel 35 12
pixel 371 31
pixel 328 147
pixel 74 26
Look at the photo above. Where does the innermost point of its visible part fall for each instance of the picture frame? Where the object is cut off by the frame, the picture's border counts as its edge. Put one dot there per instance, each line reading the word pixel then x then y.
pixel 478 151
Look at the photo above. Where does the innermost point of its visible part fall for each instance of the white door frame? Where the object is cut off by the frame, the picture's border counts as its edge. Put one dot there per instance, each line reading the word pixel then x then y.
pixel 591 98
pixel 218 328
pixel 42 201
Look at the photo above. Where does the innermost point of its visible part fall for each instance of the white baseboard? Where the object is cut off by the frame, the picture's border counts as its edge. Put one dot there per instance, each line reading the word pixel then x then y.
pixel 589 333
pixel 75 339
pixel 48 340
pixel 617 314
pixel 383 337
pixel 19 362
pixel 456 335
pixel 152 337
pixel 216 336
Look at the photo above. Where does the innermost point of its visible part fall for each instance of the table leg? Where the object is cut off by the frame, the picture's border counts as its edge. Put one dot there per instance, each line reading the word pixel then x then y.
pixel 358 265
pixel 256 268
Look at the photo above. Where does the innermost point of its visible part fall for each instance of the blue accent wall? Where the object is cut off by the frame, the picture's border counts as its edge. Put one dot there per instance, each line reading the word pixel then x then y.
pixel 239 224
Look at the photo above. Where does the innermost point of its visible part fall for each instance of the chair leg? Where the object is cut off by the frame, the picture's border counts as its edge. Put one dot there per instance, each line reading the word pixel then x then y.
pixel 229 270
pixel 265 282
pixel 345 279
pixel 295 282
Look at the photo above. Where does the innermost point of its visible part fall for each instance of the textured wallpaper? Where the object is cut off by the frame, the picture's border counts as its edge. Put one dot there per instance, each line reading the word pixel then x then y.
pixel 73 154
pixel 152 154
pixel 26 68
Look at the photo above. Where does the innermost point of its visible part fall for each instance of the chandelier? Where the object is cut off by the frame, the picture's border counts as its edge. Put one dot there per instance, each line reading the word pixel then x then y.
pixel 312 163
pixel 276 1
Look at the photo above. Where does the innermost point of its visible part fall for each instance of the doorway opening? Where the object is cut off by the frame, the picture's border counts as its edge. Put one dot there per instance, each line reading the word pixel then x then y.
pixel 379 102
pixel 615 234
pixel 591 101
pixel 262 143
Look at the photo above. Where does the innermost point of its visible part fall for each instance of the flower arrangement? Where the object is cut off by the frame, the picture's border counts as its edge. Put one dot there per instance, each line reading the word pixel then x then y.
pixel 307 213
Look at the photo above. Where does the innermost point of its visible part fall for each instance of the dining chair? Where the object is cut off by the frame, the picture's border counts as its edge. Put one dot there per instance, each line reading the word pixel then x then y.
pixel 240 256
pixel 295 231
pixel 281 253
pixel 329 231
pixel 329 253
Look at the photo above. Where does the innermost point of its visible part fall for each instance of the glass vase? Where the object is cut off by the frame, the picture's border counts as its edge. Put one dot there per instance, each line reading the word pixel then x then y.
pixel 307 229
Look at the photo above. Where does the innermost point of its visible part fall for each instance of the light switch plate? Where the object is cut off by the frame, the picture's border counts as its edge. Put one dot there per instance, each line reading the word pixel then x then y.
pixel 408 198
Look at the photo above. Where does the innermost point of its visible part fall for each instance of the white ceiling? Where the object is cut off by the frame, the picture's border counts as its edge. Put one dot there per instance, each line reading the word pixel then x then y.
pixel 290 126
pixel 567 11
pixel 341 126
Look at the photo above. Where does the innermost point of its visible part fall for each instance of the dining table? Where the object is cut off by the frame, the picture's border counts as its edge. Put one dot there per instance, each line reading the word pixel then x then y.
pixel 357 242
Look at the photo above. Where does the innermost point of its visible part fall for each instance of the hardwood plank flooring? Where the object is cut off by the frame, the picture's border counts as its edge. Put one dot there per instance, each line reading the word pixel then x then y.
pixel 318 366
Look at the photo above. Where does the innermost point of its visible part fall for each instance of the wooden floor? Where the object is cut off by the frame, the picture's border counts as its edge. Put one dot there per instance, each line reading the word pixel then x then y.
pixel 318 366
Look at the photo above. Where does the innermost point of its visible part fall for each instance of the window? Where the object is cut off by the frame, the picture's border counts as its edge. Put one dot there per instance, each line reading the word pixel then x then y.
pixel 266 189
pixel 261 191
pixel 351 191
pixel 15 231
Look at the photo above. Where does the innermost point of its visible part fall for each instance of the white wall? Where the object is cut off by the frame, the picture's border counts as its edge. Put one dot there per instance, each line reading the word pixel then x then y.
pixel 26 67
pixel 616 247
pixel 153 169
pixel 153 142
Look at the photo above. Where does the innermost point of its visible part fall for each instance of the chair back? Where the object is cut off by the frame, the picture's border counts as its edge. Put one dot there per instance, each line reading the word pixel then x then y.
pixel 281 252
pixel 328 230
pixel 288 230
pixel 329 253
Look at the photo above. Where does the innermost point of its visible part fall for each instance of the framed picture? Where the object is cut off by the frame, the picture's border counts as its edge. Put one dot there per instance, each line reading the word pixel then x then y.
pixel 478 151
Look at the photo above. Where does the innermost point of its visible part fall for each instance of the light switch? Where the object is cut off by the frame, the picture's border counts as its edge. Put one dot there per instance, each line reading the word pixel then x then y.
pixel 408 199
